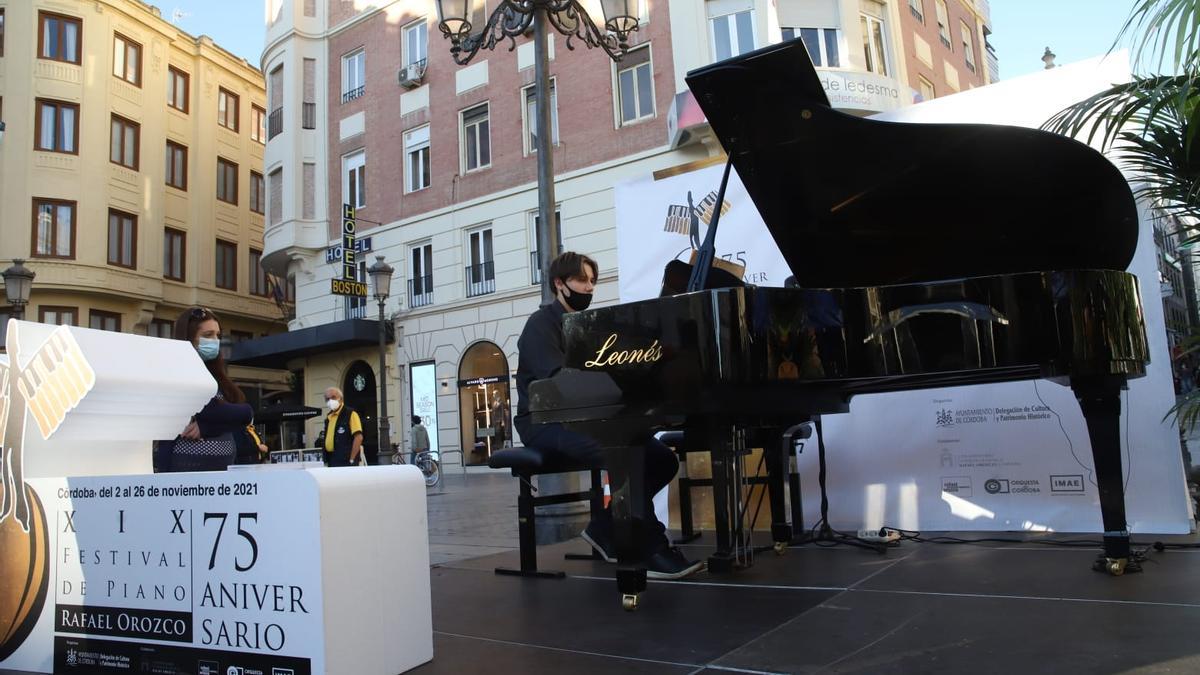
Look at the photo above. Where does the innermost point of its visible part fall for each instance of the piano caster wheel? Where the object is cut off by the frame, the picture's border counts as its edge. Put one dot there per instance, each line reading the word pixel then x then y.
pixel 629 602
pixel 781 547
pixel 1116 566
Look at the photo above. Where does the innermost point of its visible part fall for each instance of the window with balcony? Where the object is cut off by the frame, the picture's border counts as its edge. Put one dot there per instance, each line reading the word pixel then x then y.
pixel 174 250
pixel 226 271
pixel 178 89
pixel 258 197
pixel 276 188
pixel 968 45
pixel 917 9
pixel 227 181
pixel 822 45
pixel 529 120
pixel 177 165
pixel 354 75
pixel 100 320
pixel 53 228
pixel 258 124
pixel 635 86
pixel 309 107
pixel 127 59
pixel 420 282
pixel 416 154
pixel 874 41
pixel 57 127
pixel 58 37
pixel 354 179
pixel 227 109
pixel 481 273
pixel 275 102
pixel 943 21
pixel 124 145
pixel 355 307
pixel 732 34
pixel 58 316
pixel 258 277
pixel 122 239
pixel 416 43
pixel 476 140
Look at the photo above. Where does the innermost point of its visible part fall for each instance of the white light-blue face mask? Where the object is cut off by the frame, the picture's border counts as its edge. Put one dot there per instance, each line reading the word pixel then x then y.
pixel 209 348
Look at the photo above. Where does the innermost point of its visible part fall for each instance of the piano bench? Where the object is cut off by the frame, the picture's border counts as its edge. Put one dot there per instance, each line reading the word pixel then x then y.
pixel 525 463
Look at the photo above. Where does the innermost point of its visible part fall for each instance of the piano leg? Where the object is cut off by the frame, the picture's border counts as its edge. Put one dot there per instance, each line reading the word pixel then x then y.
pixel 774 454
pixel 1100 400
pixel 626 468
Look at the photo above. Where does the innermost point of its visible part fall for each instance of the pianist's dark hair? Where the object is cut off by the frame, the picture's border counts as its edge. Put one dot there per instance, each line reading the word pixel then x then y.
pixel 570 264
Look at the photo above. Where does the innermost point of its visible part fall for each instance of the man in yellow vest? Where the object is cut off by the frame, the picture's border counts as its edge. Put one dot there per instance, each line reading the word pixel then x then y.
pixel 343 436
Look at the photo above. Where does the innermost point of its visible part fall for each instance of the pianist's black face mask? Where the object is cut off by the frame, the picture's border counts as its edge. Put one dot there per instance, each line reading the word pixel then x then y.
pixel 576 301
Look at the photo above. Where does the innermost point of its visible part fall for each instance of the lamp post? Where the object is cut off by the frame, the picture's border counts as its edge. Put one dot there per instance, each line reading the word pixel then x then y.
pixel 18 283
pixel 512 18
pixel 381 278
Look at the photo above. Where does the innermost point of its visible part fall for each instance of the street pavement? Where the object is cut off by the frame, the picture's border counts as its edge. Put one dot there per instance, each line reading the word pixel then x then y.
pixel 472 515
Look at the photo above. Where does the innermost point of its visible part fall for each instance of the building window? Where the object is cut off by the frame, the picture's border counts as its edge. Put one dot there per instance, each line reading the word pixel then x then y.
pixel 109 321
pixel 943 19
pixel 416 153
pixel 732 34
pixel 174 250
pixel 968 45
pixel 2 54
pixel 258 124
pixel 917 8
pixel 177 165
pixel 476 141
pixel 227 181
pixel 275 102
pixel 416 43
pixel 354 75
pixel 124 146
pixel 821 44
pixel 57 127
pixel 122 239
pixel 481 273
pixel 529 94
pixel 53 228
pixel 535 260
pixel 355 307
pixel 58 316
pixel 161 328
pixel 127 59
pixel 258 278
pixel 928 93
pixel 276 187
pixel 59 37
pixel 178 89
pixel 227 109
pixel 420 283
pixel 257 197
pixel 354 179
pixel 635 86
pixel 873 44
pixel 226 265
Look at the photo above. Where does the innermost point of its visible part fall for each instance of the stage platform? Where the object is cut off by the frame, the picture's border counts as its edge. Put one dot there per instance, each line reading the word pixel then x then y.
pixel 919 608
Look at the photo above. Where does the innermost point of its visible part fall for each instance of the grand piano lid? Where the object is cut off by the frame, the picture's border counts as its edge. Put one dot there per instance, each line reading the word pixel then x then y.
pixel 858 202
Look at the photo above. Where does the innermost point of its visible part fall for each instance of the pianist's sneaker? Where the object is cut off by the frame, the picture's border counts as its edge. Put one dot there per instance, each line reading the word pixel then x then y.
pixel 599 535
pixel 669 563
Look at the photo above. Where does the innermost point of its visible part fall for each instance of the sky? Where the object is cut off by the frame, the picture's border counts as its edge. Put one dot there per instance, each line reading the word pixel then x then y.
pixel 1021 29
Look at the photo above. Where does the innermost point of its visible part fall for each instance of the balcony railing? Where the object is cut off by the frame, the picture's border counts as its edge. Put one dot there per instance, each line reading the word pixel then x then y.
pixel 945 41
pixel 275 123
pixel 481 279
pixel 970 66
pixel 356 308
pixel 353 93
pixel 916 13
pixel 420 292
pixel 309 112
pixel 535 269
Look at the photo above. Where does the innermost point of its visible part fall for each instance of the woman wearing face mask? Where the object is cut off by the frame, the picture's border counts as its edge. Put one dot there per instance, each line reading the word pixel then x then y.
pixel 207 442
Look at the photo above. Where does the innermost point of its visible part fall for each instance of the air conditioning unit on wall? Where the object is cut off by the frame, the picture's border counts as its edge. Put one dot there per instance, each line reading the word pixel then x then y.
pixel 412 74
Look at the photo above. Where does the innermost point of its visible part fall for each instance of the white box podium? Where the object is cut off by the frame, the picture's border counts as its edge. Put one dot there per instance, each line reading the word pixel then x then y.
pixel 280 569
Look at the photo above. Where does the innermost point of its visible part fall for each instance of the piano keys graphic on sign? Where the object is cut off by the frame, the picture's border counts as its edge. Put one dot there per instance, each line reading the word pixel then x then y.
pixel 609 355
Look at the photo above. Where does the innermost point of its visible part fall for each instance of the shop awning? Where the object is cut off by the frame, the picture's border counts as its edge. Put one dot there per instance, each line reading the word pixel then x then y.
pixel 274 351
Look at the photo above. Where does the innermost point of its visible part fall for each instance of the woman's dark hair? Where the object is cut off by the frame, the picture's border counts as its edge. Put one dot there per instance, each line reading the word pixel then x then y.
pixel 570 264
pixel 186 328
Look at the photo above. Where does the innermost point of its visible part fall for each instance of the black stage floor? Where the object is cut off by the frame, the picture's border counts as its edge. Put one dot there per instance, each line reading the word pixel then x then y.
pixel 919 608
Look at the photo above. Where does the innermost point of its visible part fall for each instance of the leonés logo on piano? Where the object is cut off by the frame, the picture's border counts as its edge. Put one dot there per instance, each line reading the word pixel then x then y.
pixel 607 355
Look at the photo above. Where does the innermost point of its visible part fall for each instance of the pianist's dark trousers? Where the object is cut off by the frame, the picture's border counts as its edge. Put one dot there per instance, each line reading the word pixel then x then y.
pixel 660 469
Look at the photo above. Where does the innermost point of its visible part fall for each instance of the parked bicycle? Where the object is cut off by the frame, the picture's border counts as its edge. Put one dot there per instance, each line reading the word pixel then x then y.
pixel 425 461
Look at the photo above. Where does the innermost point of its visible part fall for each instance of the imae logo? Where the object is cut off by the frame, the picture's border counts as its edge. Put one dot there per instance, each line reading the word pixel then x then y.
pixel 46 385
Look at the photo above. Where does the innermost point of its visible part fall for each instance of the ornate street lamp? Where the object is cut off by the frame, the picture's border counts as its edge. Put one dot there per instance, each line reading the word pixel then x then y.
pixel 512 18
pixel 18 283
pixel 381 278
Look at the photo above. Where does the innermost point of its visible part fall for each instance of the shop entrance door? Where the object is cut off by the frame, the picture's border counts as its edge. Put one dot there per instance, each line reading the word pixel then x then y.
pixel 359 390
pixel 485 417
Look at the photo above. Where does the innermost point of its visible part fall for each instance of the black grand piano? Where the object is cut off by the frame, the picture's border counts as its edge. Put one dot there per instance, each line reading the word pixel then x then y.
pixel 926 255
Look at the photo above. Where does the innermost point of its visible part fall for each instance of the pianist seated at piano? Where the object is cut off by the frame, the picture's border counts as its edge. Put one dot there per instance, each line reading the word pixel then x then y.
pixel 542 354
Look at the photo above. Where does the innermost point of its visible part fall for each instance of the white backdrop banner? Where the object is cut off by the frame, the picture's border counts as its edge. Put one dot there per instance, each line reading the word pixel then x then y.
pixel 1012 456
